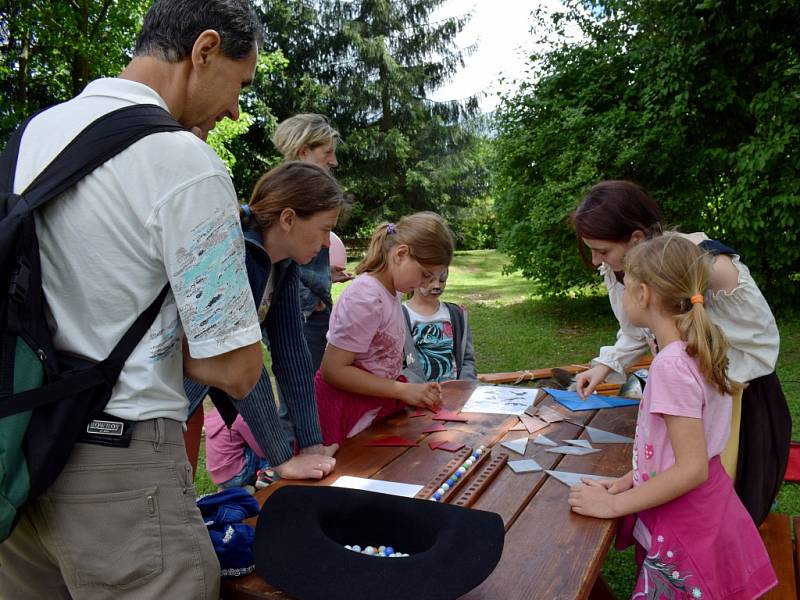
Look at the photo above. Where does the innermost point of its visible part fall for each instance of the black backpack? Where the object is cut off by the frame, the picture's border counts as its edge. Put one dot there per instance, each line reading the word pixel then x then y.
pixel 46 400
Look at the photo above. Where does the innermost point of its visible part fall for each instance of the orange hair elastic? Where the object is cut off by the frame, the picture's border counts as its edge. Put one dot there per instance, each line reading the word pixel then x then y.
pixel 697 299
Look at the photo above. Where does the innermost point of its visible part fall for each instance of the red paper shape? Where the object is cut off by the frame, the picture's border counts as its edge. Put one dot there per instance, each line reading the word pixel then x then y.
pixel 434 445
pixel 392 440
pixel 435 428
pixel 446 415
pixel 418 413
pixel 449 446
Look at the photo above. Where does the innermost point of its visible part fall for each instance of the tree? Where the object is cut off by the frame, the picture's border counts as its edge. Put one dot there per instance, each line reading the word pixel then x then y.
pixel 50 50
pixel 368 65
pixel 696 101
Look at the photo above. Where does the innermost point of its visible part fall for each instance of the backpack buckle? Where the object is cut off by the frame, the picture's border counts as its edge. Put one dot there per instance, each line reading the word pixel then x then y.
pixel 20 280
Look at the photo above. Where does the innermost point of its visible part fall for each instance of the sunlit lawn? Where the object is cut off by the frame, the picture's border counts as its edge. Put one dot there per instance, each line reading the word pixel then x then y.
pixel 515 328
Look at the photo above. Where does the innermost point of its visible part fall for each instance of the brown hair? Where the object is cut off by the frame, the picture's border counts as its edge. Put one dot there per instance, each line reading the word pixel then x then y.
pixel 613 211
pixel 429 241
pixel 675 269
pixel 303 187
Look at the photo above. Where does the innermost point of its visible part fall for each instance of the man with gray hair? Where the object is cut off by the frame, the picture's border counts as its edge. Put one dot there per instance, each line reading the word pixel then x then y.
pixel 121 521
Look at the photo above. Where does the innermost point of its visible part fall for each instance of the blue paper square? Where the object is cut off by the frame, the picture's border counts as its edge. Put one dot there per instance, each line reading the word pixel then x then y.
pixel 572 401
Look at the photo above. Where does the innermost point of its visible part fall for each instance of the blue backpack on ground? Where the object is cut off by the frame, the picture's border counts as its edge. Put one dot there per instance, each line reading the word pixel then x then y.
pixel 46 400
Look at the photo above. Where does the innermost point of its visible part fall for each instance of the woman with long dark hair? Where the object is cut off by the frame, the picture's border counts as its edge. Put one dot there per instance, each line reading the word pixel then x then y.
pixel 613 217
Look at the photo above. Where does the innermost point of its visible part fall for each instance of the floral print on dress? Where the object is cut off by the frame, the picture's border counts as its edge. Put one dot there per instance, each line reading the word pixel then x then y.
pixel 649 452
pixel 661 578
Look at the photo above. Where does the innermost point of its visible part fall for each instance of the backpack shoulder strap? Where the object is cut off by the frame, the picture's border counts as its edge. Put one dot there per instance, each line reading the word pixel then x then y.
pixel 8 159
pixel 98 142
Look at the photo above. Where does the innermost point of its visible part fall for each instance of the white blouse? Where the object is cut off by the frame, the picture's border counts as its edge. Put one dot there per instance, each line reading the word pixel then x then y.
pixel 743 314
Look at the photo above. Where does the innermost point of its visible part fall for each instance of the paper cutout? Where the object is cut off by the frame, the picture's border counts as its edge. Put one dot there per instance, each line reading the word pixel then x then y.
pixel 394 488
pixel 520 426
pixel 392 440
pixel 418 413
pixel 446 415
pixel 543 440
pixel 573 450
pixel 572 401
pixel 446 446
pixel 527 465
pixel 436 427
pixel 600 436
pixel 549 414
pixel 581 443
pixel 518 445
pixel 498 399
pixel 532 424
pixel 571 479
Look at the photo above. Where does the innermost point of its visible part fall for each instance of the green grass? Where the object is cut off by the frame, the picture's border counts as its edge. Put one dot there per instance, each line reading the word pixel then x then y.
pixel 515 328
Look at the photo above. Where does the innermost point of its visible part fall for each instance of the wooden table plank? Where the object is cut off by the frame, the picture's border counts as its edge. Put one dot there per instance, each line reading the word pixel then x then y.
pixel 549 552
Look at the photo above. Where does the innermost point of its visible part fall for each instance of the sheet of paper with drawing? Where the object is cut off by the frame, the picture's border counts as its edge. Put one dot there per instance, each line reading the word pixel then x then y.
pixel 498 399
pixel 394 488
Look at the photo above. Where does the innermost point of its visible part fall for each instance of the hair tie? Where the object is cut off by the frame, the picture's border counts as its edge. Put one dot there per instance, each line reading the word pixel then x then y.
pixel 697 299
pixel 391 228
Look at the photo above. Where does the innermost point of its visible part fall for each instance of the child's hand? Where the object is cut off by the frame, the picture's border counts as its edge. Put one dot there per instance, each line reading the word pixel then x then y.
pixel 306 466
pixel 593 499
pixel 619 485
pixel 425 395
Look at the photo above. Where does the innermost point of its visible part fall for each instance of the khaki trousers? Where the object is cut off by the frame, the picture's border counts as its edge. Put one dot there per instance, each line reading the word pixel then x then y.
pixel 118 523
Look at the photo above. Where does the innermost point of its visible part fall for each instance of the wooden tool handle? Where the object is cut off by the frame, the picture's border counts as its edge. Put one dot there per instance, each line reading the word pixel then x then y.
pixel 480 482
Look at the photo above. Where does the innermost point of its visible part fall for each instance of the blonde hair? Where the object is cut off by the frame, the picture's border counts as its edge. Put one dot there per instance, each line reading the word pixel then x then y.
pixel 305 188
pixel 429 241
pixel 305 129
pixel 675 270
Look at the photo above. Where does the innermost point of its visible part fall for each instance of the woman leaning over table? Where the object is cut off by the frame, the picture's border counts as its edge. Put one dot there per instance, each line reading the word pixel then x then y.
pixel 615 216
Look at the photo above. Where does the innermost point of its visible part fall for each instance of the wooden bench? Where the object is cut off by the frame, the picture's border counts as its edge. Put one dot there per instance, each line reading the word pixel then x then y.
pixel 776 531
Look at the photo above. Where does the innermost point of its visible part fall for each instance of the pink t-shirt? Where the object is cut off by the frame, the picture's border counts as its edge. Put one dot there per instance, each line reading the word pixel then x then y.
pixel 368 320
pixel 225 447
pixel 675 386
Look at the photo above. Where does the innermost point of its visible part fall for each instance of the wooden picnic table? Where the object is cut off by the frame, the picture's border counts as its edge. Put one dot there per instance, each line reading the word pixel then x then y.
pixel 549 552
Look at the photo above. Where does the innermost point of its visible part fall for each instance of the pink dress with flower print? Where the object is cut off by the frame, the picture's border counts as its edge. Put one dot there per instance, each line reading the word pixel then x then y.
pixel 702 544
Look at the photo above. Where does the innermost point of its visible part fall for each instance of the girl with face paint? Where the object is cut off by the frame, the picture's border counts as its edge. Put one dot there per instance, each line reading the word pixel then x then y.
pixel 438 344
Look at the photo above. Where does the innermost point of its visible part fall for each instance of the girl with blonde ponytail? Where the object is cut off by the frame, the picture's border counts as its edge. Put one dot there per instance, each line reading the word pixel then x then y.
pixel 360 377
pixel 679 503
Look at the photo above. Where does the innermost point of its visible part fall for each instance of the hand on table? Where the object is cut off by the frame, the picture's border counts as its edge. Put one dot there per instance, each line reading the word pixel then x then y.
pixel 320 449
pixel 594 498
pixel 587 381
pixel 306 466
pixel 422 395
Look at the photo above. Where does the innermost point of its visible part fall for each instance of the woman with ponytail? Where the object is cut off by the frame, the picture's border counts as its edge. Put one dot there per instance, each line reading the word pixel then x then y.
pixel 694 537
pixel 615 216
pixel 359 380
pixel 287 221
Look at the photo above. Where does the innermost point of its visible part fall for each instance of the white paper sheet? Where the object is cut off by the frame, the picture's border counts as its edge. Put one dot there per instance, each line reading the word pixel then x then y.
pixel 407 490
pixel 501 400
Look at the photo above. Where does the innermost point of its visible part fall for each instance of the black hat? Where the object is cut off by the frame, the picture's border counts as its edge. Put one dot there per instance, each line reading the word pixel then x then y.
pixel 302 532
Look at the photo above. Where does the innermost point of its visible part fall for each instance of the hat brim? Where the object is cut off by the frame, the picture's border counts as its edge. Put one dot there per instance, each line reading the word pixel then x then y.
pixel 302 531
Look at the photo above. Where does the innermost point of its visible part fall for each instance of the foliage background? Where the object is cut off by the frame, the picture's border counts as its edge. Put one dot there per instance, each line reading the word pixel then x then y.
pixel 697 101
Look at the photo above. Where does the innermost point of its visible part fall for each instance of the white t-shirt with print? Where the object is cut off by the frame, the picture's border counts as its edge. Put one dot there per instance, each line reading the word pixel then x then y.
pixel 163 209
